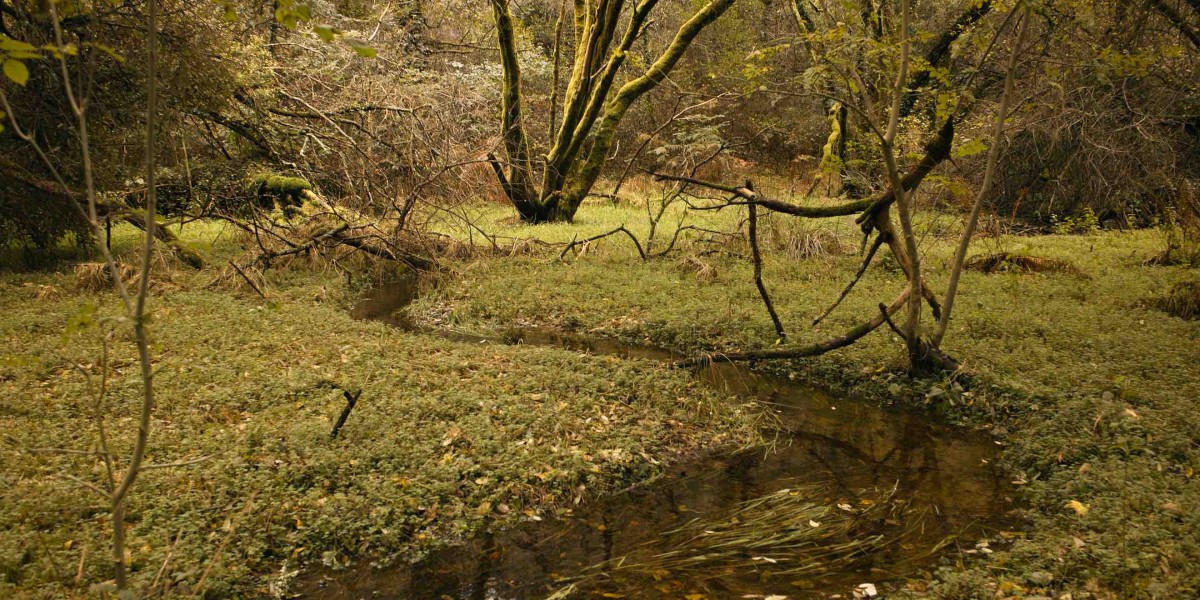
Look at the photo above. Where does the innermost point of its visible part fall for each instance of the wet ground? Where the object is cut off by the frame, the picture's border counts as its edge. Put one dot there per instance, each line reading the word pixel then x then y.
pixel 896 490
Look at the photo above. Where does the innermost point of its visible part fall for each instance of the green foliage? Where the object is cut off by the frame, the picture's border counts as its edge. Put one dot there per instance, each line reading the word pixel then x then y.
pixel 431 441
pixel 1084 223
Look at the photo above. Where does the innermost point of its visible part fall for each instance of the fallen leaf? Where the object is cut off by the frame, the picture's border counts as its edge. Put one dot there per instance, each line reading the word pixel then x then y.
pixel 865 590
pixel 1080 508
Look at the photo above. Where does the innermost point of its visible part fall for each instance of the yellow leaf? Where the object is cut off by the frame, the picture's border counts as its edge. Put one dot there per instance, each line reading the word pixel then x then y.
pixel 1080 508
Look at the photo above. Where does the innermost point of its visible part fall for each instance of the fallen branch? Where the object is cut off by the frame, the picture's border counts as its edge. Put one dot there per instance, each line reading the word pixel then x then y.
pixel 818 349
pixel 621 229
pixel 419 263
pixel 106 210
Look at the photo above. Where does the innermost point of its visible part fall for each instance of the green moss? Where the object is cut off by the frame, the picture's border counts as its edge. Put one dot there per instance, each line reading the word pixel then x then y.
pixel 279 184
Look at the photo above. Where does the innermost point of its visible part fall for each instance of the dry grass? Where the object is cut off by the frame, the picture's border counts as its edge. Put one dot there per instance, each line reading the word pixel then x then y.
pixel 803 239
pixel 1182 301
pixel 1008 262
pixel 95 276
pixel 695 265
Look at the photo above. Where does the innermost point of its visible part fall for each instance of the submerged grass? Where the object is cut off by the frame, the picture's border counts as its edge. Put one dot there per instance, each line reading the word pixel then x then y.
pixel 785 531
pixel 794 536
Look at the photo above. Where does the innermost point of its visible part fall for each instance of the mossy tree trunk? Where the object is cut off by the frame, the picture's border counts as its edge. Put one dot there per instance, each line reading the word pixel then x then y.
pixel 591 111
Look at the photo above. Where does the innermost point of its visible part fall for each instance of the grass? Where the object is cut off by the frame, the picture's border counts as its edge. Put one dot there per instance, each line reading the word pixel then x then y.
pixel 446 438
pixel 1093 392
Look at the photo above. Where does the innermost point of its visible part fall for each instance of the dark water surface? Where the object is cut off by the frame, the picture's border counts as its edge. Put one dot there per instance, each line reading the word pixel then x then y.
pixel 937 483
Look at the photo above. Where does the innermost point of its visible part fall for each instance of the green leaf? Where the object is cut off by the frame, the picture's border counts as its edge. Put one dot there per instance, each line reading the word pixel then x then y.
pixel 16 71
pixel 970 148
pixel 325 32
pixel 82 320
pixel 362 48
pixel 10 45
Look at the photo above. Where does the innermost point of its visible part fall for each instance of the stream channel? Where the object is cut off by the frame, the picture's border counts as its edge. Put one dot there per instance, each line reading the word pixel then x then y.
pixel 848 494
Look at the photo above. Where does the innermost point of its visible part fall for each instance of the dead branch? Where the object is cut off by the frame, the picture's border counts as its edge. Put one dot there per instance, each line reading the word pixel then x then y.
pixel 419 263
pixel 862 269
pixel 748 196
pixel 351 401
pixel 621 229
pixel 818 349
pixel 248 280
pixel 756 255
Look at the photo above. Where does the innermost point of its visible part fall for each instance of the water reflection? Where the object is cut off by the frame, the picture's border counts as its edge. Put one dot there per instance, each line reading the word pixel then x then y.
pixel 836 450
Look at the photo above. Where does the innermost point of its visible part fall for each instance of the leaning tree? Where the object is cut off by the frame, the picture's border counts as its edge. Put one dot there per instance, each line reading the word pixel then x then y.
pixel 877 74
pixel 592 105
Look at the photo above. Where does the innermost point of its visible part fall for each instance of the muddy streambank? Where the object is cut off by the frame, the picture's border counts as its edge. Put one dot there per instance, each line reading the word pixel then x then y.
pixel 846 494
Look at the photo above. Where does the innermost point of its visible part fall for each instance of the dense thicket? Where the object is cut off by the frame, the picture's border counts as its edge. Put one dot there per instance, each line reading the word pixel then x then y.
pixel 1108 123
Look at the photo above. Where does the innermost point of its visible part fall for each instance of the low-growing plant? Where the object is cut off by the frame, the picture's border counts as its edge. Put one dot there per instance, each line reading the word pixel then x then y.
pixel 1084 222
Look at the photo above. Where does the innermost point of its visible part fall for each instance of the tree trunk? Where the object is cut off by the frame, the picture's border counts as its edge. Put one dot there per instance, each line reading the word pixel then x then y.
pixel 590 117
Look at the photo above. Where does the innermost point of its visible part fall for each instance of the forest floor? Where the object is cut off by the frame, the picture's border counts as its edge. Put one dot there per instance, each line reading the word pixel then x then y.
pixel 1092 392
pixel 447 437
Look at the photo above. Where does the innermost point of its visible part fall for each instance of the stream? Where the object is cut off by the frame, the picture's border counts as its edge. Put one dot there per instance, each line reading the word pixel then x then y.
pixel 849 494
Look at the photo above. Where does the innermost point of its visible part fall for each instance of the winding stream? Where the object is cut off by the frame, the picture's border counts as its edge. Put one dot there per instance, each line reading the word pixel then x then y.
pixel 919 488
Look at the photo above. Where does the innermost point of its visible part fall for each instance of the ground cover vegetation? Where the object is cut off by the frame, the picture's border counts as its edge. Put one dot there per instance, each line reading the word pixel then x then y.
pixel 982 210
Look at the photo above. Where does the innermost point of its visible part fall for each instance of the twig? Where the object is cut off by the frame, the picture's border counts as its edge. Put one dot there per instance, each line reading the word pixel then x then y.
pixel 166 560
pixel 183 463
pixel 857 276
pixel 351 400
pixel 248 280
pixel 621 229
pixel 199 593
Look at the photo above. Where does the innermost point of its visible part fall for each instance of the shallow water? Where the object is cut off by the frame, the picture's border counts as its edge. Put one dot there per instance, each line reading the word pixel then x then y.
pixel 932 487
